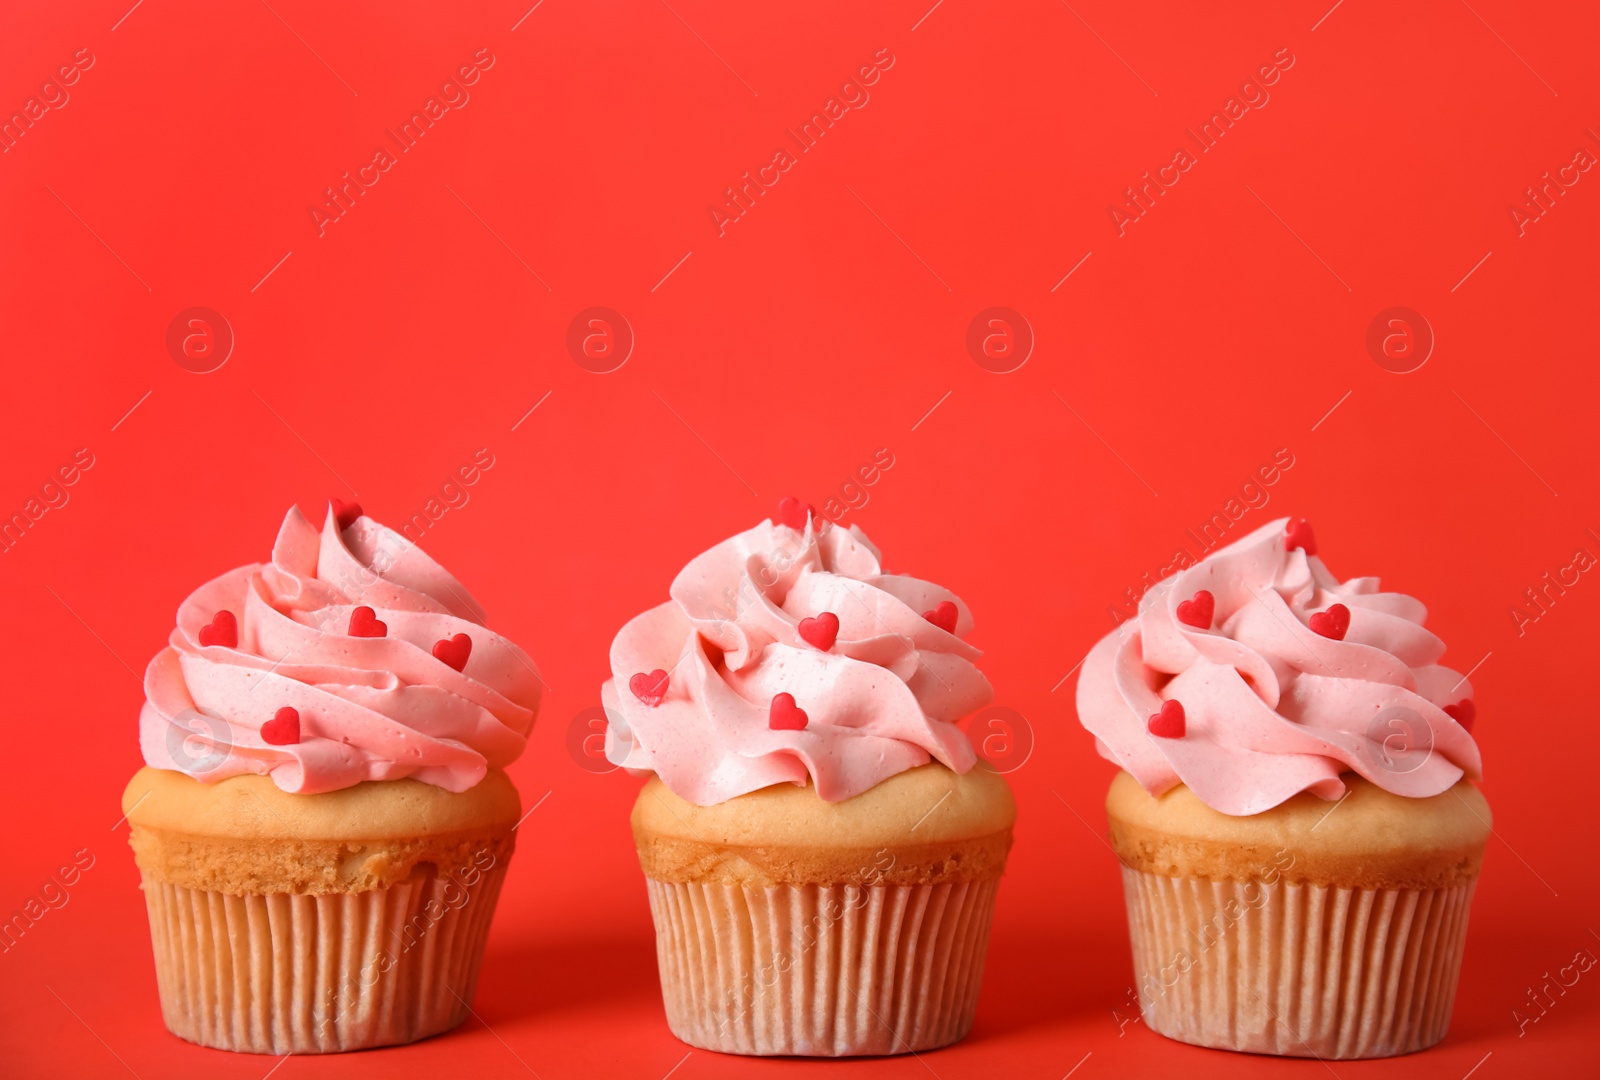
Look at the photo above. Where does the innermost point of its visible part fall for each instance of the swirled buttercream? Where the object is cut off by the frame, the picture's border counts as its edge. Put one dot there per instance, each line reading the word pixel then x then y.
pixel 875 663
pixel 1294 679
pixel 402 697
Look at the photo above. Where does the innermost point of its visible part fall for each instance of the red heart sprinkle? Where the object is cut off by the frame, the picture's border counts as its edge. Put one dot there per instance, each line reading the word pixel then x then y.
pixel 283 729
pixel 345 513
pixel 821 631
pixel 785 715
pixel 1299 535
pixel 943 616
pixel 1463 712
pixel 1197 612
pixel 1169 723
pixel 223 629
pixel 1332 623
pixel 364 623
pixel 793 513
pixel 453 651
pixel 650 688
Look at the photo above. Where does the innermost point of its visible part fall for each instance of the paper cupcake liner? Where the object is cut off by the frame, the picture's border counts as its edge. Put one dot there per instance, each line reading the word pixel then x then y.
pixel 284 973
pixel 1296 970
pixel 824 971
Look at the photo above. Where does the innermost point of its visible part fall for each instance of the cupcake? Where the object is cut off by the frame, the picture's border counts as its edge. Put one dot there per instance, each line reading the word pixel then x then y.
pixel 1296 818
pixel 324 822
pixel 820 853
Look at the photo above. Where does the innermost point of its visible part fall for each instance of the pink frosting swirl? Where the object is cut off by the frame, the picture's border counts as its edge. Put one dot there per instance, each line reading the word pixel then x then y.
pixel 1272 707
pixel 883 698
pixel 370 708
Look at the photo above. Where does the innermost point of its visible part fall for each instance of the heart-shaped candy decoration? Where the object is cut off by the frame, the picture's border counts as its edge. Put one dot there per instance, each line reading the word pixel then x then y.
pixel 1299 535
pixel 793 513
pixel 1170 722
pixel 943 616
pixel 223 629
pixel 1331 623
pixel 345 513
pixel 821 631
pixel 1463 712
pixel 785 715
pixel 364 622
pixel 283 729
pixel 650 688
pixel 1198 611
pixel 453 651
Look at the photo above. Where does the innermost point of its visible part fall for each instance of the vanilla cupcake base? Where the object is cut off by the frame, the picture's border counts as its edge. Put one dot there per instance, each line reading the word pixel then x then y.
pixel 1297 970
pixel 790 926
pixel 1314 929
pixel 283 973
pixel 304 924
pixel 817 970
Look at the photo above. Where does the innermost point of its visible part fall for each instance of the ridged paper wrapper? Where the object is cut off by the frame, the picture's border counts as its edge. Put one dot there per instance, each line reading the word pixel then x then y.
pixel 1298 970
pixel 821 970
pixel 282 973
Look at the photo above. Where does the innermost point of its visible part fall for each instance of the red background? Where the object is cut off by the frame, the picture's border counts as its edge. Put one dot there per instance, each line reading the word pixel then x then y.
pixel 778 358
